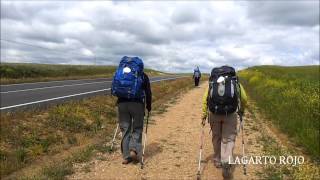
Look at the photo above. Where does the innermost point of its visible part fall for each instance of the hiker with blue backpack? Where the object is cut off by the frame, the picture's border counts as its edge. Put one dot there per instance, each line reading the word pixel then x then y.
pixel 196 76
pixel 132 87
pixel 223 99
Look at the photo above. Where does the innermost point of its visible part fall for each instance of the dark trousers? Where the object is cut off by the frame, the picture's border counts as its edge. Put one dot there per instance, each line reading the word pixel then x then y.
pixel 196 81
pixel 131 115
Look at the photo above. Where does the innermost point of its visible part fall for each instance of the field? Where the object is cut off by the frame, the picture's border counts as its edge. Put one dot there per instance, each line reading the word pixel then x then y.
pixel 289 97
pixel 18 73
pixel 29 138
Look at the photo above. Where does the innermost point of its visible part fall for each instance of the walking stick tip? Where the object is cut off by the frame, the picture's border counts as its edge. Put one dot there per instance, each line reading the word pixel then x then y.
pixel 198 176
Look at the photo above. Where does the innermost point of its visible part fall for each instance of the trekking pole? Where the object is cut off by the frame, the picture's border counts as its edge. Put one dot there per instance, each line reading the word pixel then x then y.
pixel 243 155
pixel 241 127
pixel 114 137
pixel 200 153
pixel 145 140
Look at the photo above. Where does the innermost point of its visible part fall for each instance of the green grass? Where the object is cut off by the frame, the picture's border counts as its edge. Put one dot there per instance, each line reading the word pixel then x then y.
pixel 18 73
pixel 58 171
pixel 289 96
pixel 272 147
pixel 25 136
pixel 64 168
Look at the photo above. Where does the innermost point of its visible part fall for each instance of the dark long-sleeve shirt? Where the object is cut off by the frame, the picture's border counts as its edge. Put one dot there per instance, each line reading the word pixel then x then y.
pixel 148 94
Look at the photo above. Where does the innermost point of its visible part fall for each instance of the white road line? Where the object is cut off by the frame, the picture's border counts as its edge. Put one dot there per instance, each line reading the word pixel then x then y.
pixel 73 95
pixel 51 99
pixel 49 87
pixel 51 82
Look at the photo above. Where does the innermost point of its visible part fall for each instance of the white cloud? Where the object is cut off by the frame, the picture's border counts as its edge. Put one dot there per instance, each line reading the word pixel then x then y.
pixel 87 52
pixel 297 13
pixel 76 27
pixel 169 36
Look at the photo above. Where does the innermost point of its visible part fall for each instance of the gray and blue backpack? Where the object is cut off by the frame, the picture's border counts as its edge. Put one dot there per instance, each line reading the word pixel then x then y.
pixel 223 92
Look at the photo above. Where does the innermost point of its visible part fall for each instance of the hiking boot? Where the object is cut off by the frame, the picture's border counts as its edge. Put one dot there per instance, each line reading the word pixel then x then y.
pixel 217 164
pixel 134 156
pixel 226 171
pixel 127 161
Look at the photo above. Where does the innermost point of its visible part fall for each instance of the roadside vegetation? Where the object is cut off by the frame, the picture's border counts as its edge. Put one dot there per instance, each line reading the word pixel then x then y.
pixel 272 145
pixel 19 73
pixel 289 97
pixel 30 138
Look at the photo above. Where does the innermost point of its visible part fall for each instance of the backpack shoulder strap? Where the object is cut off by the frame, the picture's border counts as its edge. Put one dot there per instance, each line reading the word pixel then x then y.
pixel 143 76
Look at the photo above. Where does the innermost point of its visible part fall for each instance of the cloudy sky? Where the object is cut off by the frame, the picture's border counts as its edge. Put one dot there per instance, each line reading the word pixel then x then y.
pixel 168 36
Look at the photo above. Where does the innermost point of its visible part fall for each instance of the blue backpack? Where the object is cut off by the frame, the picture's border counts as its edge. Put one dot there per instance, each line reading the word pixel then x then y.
pixel 128 79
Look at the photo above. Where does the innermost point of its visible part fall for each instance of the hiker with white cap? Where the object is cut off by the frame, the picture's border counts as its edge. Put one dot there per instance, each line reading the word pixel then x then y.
pixel 132 87
pixel 225 97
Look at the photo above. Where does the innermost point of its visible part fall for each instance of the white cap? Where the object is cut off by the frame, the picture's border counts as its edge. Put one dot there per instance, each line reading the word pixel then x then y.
pixel 126 70
pixel 220 79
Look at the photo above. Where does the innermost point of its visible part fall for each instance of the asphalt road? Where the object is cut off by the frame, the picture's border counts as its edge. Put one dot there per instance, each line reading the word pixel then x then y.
pixel 26 95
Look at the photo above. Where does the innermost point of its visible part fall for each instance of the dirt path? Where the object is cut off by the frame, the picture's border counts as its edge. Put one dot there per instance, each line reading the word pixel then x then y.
pixel 173 148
